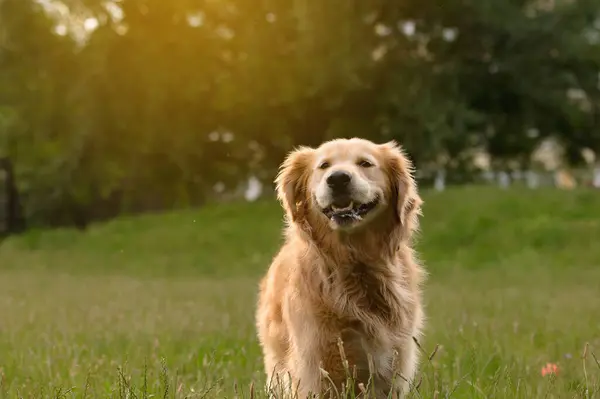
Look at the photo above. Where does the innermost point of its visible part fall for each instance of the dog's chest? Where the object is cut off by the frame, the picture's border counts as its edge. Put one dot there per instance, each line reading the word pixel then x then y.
pixel 363 297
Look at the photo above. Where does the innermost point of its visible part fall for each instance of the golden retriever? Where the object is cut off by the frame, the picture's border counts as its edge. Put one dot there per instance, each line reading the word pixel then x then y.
pixel 346 271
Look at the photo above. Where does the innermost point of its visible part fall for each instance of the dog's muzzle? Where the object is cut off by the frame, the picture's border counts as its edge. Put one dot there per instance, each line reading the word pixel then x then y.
pixel 339 183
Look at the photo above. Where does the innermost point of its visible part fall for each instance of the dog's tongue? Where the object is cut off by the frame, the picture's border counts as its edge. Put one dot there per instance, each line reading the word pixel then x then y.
pixel 342 205
pixel 343 211
pixel 345 216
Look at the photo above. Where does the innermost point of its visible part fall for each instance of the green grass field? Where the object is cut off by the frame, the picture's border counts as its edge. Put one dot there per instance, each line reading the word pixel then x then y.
pixel 163 305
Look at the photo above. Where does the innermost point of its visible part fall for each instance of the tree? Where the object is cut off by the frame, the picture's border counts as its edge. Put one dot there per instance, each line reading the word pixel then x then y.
pixel 163 101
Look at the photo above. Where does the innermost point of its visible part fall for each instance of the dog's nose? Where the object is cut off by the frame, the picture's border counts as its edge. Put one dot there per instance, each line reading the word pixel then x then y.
pixel 338 180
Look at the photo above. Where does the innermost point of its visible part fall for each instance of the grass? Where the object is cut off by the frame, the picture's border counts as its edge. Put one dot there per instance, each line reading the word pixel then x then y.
pixel 163 305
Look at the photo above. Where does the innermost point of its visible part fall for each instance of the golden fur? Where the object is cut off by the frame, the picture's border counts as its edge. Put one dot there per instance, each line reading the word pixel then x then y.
pixel 360 284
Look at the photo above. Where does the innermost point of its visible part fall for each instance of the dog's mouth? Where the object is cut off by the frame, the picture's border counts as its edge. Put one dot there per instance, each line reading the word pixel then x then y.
pixel 349 212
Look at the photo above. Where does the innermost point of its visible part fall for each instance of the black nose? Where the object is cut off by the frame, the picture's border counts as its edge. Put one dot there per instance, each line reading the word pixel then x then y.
pixel 338 180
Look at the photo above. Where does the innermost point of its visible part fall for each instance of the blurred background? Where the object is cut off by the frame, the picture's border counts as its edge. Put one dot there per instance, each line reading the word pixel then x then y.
pixel 118 107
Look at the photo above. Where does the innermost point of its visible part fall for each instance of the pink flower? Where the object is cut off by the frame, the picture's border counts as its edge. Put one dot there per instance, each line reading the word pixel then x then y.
pixel 550 369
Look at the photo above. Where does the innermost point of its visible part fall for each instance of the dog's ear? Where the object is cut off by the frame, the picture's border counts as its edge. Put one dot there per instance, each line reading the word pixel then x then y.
pixel 404 189
pixel 292 182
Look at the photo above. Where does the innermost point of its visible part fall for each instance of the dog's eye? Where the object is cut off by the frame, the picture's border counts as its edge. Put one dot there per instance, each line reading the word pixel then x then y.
pixel 324 165
pixel 365 164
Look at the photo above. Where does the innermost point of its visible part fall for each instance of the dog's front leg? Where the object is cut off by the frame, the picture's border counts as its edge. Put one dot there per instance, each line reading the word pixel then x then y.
pixel 305 348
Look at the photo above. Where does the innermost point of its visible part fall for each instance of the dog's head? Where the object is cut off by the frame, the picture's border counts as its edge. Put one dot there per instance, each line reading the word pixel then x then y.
pixel 348 184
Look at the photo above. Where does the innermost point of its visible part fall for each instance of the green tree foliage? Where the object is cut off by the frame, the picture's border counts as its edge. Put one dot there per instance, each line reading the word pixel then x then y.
pixel 163 100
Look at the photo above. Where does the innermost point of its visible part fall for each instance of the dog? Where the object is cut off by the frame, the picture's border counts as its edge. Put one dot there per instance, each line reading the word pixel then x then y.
pixel 343 296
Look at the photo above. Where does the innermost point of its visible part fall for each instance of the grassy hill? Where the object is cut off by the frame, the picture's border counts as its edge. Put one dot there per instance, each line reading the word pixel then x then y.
pixel 169 299
pixel 472 228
